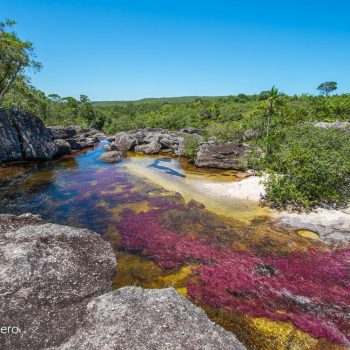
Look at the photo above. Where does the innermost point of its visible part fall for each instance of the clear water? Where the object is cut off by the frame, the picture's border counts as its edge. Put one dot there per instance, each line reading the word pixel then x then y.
pixel 270 286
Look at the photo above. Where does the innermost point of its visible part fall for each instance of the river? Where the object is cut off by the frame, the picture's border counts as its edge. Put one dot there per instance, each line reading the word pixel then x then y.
pixel 270 286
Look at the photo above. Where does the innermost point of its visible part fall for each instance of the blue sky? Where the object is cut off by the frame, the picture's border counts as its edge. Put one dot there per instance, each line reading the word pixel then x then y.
pixel 116 50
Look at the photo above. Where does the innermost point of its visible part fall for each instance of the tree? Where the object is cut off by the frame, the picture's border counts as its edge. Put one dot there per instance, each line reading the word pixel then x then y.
pixel 327 87
pixel 15 57
pixel 272 103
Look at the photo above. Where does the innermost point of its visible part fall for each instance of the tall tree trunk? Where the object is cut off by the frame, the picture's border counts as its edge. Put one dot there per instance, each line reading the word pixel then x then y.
pixel 8 85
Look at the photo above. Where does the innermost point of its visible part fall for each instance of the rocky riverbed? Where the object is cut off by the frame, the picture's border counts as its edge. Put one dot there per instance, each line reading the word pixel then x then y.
pixel 56 293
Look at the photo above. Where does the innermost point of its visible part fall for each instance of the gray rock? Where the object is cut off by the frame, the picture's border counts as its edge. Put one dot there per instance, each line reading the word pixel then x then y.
pixel 192 131
pixel 36 140
pixel 60 132
pixel 63 147
pixel 134 318
pixel 250 134
pixel 110 139
pixel 83 142
pixel 73 144
pixel 124 141
pixel 223 155
pixel 48 273
pixel 332 125
pixel 152 147
pixel 10 146
pixel 111 157
pixel 149 141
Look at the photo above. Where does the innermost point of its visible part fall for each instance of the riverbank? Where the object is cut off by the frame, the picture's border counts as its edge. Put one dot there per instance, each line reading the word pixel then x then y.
pixel 332 225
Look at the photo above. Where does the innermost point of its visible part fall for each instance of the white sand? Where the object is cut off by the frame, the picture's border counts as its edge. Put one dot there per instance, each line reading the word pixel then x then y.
pixel 246 189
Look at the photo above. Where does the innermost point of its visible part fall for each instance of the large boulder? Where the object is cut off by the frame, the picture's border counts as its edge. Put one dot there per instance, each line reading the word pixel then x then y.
pixel 111 157
pixel 36 140
pixel 223 155
pixel 10 146
pixel 134 318
pixel 47 274
pixel 56 294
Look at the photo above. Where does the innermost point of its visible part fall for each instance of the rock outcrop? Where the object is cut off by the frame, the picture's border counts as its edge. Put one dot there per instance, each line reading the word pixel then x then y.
pixel 23 136
pixel 211 154
pixel 35 138
pixel 77 137
pixel 223 155
pixel 151 141
pixel 55 293
pixel 10 146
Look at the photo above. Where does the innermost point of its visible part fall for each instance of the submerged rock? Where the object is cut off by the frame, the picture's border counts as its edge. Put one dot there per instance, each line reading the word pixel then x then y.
pixel 223 155
pixel 10 146
pixel 56 291
pixel 111 157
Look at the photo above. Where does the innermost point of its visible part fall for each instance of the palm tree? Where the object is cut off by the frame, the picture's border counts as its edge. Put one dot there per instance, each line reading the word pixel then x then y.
pixel 273 103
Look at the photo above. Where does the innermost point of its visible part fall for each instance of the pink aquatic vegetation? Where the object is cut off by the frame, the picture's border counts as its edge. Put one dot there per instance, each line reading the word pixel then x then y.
pixel 310 289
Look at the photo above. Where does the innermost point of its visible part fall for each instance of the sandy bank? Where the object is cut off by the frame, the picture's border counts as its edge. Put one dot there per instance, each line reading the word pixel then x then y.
pixel 333 226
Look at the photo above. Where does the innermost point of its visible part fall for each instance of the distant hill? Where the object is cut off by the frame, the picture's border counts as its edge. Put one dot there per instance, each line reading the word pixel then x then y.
pixel 157 100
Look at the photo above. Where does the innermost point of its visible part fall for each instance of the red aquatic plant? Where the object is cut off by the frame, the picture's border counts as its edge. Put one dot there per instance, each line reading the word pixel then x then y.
pixel 310 289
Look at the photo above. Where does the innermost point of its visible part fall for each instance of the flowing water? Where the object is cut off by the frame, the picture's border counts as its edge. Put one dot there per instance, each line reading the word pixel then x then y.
pixel 272 287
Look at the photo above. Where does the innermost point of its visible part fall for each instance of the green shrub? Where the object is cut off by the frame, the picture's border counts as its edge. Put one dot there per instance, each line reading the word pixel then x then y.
pixel 191 147
pixel 227 131
pixel 311 167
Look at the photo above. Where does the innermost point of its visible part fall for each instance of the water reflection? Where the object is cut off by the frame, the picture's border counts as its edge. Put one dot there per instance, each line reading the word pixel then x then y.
pixel 167 170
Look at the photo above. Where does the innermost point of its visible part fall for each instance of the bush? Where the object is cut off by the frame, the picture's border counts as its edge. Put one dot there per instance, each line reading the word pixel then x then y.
pixel 311 167
pixel 229 131
pixel 191 147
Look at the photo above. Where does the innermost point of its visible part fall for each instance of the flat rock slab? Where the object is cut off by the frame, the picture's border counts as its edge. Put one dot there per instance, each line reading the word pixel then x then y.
pixel 48 273
pixel 135 318
pixel 332 225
